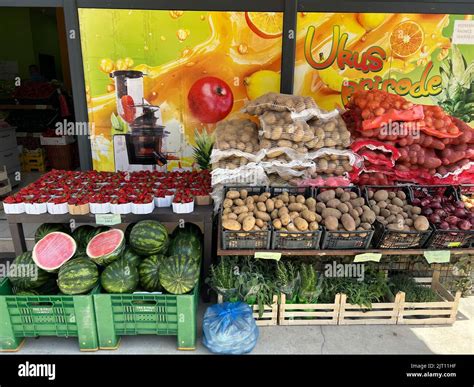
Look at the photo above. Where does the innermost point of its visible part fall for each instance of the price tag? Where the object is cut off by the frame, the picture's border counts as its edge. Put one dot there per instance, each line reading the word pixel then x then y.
pixel 367 257
pixel 108 219
pixel 441 256
pixel 267 255
pixel 454 244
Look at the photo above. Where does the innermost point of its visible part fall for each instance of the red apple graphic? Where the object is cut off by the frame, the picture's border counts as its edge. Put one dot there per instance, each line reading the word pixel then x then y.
pixel 210 99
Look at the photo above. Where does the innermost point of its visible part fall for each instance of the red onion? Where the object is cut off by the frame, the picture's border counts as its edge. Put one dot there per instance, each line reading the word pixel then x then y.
pixel 452 220
pixel 460 213
pixel 434 219
pixel 464 225
pixel 427 211
pixel 444 226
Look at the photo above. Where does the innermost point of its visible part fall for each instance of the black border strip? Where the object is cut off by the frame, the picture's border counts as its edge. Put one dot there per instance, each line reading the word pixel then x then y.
pixel 460 7
pixel 188 5
pixel 33 3
pixel 288 49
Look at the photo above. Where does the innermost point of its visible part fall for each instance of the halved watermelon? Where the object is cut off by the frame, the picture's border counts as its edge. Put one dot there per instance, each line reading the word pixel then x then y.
pixel 106 247
pixel 51 252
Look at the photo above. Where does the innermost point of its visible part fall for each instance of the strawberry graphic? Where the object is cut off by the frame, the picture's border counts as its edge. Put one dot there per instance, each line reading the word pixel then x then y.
pixel 128 108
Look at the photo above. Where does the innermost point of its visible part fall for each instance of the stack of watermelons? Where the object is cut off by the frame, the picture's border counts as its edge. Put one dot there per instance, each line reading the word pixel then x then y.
pixel 144 258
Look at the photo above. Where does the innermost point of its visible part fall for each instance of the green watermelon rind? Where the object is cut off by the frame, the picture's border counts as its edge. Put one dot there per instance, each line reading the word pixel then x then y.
pixel 115 279
pixel 149 237
pixel 80 234
pixel 107 259
pixel 78 276
pixel 173 269
pixel 56 268
pixel 27 282
pixel 131 256
pixel 148 271
pixel 186 245
pixel 47 228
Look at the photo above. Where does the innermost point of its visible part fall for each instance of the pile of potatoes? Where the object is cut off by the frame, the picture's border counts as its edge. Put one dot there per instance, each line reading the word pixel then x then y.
pixel 332 165
pixel 344 210
pixel 393 211
pixel 237 134
pixel 231 162
pixel 279 103
pixel 331 133
pixel 285 212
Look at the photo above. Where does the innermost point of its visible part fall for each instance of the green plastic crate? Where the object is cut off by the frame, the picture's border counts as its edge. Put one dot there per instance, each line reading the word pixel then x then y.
pixel 58 315
pixel 147 314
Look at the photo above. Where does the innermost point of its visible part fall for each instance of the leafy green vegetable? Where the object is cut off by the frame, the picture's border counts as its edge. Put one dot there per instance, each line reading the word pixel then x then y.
pixel 414 292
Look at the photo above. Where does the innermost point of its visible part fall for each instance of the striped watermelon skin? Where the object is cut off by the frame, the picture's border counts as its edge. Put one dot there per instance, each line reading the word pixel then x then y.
pixel 149 271
pixel 186 244
pixel 78 276
pixel 81 234
pixel 149 237
pixel 106 259
pixel 27 275
pixel 179 274
pixel 131 256
pixel 120 277
pixel 46 228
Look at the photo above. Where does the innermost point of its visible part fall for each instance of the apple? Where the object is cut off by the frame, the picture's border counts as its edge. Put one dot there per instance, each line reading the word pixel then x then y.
pixel 210 99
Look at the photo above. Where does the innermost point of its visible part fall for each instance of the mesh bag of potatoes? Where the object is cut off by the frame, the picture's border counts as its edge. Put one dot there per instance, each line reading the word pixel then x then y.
pixel 234 161
pixel 334 162
pixel 342 209
pixel 287 173
pixel 329 133
pixel 284 212
pixel 300 108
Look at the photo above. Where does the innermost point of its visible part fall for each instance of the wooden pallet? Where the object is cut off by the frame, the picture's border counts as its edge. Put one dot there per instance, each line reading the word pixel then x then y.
pixel 421 313
pixel 308 314
pixel 379 313
pixel 270 314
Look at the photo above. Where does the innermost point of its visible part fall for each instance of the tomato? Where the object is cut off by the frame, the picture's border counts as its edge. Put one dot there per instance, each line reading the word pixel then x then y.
pixel 210 99
pixel 128 108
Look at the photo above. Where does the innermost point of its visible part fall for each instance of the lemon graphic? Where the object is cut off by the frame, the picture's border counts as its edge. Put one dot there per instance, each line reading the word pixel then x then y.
pixel 262 82
pixel 331 78
pixel 370 20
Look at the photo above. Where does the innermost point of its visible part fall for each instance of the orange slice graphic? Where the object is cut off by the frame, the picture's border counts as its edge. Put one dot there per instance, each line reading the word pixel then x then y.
pixel 406 39
pixel 268 25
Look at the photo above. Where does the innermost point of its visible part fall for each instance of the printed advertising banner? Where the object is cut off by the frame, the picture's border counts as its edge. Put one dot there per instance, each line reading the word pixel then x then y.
pixel 197 67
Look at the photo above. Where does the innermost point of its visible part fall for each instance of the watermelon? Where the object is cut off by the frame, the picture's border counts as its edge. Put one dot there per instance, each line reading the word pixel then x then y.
pixel 24 274
pixel 131 256
pixel 55 249
pixel 46 228
pixel 94 232
pixel 179 274
pixel 106 247
pixel 188 228
pixel 149 272
pixel 128 230
pixel 188 245
pixel 81 234
pixel 78 276
pixel 120 277
pixel 149 237
pixel 50 287
pixel 23 292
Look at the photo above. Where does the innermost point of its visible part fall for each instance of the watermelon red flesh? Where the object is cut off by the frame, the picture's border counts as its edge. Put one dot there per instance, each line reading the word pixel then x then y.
pixel 51 252
pixel 104 243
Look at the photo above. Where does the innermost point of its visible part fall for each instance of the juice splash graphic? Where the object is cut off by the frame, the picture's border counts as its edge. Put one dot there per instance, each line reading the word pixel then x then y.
pixel 232 53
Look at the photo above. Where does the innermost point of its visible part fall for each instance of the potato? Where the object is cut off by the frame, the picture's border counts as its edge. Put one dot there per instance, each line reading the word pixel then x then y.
pixel 292 228
pixel 261 206
pixel 239 202
pixel 313 226
pixel 391 219
pixel 292 199
pixel 256 228
pixel 376 210
pixel 354 213
pixel 226 211
pixel 232 216
pixel 277 223
pixel 409 222
pixel 270 205
pixel 262 215
pixel 311 204
pixel 232 194
pixel 320 207
pixel 259 222
pixel 333 203
pixel 382 204
pixel 421 223
pixel 278 203
pixel 365 226
pixel 231 224
pixel 308 215
pixel 416 210
pixel 294 214
pixel 353 195
pixel 249 200
pixel 248 223
pixel 345 197
pixel 318 218
pixel 395 227
pixel 392 195
pixel 394 209
pixel 242 216
pixel 243 193
pixel 240 210
pixel 251 206
pixel 381 195
pixel 285 219
pixel 348 222
pixel 301 224
pixel 397 202
pixel 331 223
pixel 300 199
pixel 325 196
pixel 384 212
pixel 401 195
pixel 255 198
pixel 331 212
pixel 274 214
pixel 359 210
pixel 368 216
pixel 296 207
pixel 358 202
pixel 371 194
pixel 263 197
pixel 343 207
pixel 227 203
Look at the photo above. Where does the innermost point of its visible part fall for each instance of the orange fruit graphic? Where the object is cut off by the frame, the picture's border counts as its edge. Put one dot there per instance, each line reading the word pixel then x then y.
pixel 267 25
pixel 406 39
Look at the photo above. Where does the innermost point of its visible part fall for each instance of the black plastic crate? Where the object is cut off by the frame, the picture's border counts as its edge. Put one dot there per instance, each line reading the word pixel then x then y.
pixel 394 239
pixel 252 190
pixel 246 240
pixel 346 240
pixel 302 240
pixel 305 191
pixel 441 239
pixel 421 191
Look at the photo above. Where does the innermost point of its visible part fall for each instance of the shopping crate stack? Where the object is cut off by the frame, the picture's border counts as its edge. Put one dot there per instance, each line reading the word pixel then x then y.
pixel 33 160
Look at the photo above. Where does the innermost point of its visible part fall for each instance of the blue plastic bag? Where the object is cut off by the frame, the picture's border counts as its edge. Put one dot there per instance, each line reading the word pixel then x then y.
pixel 229 328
